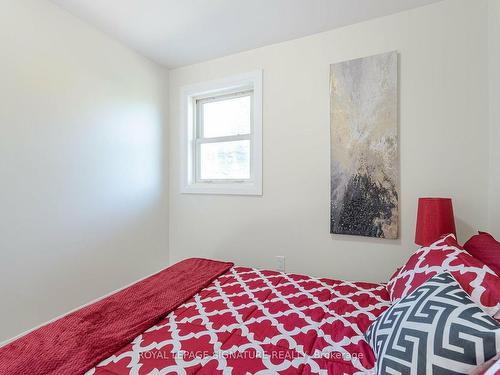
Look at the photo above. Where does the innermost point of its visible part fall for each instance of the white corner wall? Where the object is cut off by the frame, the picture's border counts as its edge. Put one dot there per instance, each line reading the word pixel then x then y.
pixel 443 138
pixel 494 102
pixel 83 184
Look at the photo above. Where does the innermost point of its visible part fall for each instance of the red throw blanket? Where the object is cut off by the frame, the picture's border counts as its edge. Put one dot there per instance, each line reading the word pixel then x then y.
pixel 77 342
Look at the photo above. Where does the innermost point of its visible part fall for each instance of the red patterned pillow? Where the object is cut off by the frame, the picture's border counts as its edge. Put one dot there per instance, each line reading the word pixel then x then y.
pixel 477 279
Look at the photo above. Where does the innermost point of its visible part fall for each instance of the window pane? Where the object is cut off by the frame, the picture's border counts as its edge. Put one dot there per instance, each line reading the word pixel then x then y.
pixel 226 117
pixel 225 160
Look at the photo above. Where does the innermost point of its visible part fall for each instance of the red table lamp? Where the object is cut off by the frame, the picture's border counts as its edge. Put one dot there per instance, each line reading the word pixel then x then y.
pixel 434 218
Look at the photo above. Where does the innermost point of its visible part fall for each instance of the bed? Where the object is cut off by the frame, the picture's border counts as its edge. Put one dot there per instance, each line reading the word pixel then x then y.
pixel 253 321
pixel 202 316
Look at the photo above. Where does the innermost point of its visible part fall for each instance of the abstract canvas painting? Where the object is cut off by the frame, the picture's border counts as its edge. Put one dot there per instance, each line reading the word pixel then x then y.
pixel 364 146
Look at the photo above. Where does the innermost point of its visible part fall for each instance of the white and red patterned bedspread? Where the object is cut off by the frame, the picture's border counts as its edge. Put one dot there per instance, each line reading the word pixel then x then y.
pixel 260 322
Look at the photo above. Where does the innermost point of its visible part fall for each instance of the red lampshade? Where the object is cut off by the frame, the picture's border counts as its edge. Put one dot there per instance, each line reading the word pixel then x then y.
pixel 434 218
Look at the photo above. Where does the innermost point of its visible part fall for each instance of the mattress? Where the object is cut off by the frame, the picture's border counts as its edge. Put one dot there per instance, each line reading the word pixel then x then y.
pixel 250 321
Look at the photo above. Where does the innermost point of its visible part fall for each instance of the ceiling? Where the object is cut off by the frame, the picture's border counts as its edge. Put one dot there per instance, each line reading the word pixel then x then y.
pixel 182 32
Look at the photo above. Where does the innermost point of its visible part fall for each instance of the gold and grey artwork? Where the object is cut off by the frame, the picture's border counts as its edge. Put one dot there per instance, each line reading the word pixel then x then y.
pixel 364 146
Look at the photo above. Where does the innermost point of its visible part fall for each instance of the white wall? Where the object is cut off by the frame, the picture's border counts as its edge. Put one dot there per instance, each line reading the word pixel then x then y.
pixel 443 136
pixel 494 101
pixel 83 195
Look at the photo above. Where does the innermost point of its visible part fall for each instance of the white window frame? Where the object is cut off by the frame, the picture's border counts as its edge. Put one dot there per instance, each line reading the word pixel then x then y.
pixel 191 98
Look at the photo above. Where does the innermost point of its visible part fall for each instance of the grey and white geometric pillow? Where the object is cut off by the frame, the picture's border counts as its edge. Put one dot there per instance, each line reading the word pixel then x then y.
pixel 436 329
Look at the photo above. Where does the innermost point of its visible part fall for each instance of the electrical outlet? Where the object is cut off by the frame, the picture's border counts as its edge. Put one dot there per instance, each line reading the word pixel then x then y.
pixel 280 263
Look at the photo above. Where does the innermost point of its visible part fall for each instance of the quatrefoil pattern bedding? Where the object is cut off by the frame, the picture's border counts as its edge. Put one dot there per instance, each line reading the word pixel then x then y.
pixel 251 321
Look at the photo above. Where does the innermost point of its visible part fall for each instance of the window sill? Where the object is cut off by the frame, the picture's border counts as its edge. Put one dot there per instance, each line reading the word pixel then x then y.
pixel 223 189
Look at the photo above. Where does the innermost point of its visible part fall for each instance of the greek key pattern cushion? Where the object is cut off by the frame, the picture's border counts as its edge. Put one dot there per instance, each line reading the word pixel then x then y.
pixel 437 329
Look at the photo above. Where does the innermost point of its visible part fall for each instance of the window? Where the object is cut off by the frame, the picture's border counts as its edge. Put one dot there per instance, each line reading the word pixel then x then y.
pixel 222 136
